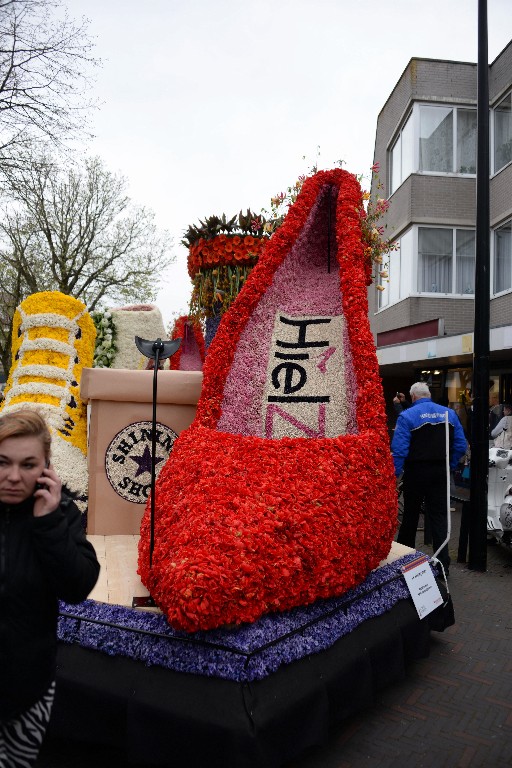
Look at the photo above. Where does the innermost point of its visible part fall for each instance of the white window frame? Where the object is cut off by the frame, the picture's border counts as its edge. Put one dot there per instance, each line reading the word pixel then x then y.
pixel 398 138
pixel 396 257
pixel 414 117
pixel 413 289
pixel 493 259
pixel 495 170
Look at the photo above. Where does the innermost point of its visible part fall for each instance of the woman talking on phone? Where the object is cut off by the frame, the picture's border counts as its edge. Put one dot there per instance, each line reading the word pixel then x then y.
pixel 44 557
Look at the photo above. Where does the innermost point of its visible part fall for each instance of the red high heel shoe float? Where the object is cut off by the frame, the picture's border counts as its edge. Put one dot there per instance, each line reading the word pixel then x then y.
pixel 190 355
pixel 282 490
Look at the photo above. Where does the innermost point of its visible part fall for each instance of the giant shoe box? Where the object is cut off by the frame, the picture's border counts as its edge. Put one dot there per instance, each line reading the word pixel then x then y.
pixel 120 407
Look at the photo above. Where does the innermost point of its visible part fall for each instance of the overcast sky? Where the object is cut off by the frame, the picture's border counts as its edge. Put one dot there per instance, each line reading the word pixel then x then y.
pixel 208 106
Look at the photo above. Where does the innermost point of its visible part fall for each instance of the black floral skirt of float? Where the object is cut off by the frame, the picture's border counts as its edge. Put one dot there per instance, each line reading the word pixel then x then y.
pixel 159 717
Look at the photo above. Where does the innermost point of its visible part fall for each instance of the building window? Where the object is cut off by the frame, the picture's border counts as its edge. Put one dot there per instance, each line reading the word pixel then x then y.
pixel 465 248
pixel 395 164
pixel 445 264
pixel 503 258
pixel 406 263
pixel 443 129
pixel 389 279
pixel 402 155
pixel 434 260
pixel 397 284
pixel 466 141
pixel 503 133
pixel 446 260
pixel 434 139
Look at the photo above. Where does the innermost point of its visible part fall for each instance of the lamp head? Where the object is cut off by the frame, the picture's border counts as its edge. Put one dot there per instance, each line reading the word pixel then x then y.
pixel 164 348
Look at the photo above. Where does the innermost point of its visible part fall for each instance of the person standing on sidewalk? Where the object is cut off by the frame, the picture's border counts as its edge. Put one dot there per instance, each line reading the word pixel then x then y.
pixel 502 432
pixel 419 451
pixel 400 403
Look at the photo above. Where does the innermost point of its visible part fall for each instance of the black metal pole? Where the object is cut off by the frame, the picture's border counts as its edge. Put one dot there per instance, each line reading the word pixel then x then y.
pixel 477 559
pixel 157 349
pixel 329 191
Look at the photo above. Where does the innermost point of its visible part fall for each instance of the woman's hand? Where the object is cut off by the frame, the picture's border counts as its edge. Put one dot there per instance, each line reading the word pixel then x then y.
pixel 48 492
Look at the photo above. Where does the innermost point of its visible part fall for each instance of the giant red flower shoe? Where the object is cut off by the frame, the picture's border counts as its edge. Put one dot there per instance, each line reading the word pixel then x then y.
pixel 282 490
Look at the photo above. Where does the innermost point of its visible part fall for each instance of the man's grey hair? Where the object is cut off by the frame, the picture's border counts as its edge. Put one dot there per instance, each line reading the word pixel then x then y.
pixel 419 389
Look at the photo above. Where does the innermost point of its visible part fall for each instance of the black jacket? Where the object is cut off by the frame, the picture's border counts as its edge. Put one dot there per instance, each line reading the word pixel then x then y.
pixel 42 560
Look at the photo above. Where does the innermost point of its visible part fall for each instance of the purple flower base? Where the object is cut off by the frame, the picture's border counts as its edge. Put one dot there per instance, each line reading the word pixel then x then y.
pixel 244 653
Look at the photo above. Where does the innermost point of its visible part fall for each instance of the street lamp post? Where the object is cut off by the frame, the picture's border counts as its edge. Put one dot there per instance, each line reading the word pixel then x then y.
pixel 477 559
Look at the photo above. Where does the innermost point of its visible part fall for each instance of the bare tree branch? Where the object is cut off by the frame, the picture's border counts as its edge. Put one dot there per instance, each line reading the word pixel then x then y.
pixel 45 61
pixel 75 230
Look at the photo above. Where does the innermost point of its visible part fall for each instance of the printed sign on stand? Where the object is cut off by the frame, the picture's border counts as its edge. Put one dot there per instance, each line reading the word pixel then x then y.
pixel 422 586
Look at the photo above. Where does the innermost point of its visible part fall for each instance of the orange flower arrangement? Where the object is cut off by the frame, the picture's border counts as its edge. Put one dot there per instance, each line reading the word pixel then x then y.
pixel 222 253
pixel 224 250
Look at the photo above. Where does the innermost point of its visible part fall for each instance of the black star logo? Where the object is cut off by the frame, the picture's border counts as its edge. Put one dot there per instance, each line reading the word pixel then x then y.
pixel 144 461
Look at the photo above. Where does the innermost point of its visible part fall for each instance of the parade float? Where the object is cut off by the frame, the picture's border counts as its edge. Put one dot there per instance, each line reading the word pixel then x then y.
pixel 276 603
pixel 289 435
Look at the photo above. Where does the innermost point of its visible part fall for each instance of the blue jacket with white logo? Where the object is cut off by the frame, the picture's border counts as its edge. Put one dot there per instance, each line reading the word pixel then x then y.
pixel 420 435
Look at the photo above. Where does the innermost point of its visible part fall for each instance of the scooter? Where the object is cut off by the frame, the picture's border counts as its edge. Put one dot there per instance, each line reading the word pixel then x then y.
pixel 499 512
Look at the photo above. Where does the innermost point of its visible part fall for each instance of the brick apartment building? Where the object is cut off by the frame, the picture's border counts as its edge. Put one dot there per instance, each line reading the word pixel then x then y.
pixel 425 144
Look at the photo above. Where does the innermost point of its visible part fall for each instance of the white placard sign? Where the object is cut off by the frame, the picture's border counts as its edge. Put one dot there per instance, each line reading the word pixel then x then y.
pixel 422 586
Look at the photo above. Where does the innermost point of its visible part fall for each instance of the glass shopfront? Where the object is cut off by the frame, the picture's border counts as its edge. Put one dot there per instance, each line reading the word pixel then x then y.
pixel 453 387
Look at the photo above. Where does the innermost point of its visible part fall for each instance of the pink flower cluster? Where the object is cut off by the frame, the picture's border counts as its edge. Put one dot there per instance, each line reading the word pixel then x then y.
pixel 304 284
pixel 191 353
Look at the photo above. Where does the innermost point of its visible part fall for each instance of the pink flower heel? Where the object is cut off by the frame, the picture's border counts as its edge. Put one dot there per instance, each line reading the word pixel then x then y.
pixel 282 490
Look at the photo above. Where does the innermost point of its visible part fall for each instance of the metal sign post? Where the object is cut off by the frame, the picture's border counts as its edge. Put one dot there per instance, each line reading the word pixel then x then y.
pixel 157 350
pixel 480 426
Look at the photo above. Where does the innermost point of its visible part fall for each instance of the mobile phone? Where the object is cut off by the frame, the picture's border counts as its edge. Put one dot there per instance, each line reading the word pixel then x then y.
pixel 43 485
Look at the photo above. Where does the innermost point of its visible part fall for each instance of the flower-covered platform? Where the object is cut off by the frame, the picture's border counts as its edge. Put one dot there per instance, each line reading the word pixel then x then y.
pixel 279 617
pixel 253 695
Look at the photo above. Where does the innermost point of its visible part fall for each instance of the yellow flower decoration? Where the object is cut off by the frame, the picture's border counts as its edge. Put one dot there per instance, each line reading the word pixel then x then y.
pixel 53 340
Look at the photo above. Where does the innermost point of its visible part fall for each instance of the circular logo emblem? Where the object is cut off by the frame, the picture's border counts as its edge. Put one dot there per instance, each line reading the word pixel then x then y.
pixel 128 459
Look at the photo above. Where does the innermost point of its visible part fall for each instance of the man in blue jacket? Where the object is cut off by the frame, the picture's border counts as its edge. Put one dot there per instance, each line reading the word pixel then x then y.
pixel 419 451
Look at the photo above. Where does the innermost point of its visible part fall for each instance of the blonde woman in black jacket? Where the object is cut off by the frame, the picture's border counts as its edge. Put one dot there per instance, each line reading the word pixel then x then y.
pixel 44 557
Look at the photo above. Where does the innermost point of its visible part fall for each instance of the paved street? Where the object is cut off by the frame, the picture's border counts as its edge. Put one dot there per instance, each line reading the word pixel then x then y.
pixel 454 709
